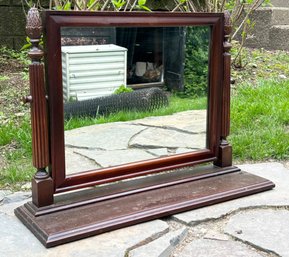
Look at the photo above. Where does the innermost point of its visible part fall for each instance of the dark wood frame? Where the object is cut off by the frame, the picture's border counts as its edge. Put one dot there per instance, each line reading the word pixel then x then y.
pixel 55 20
pixel 55 219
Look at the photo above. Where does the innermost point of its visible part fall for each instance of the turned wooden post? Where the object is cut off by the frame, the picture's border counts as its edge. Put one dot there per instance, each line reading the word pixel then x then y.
pixel 225 149
pixel 42 184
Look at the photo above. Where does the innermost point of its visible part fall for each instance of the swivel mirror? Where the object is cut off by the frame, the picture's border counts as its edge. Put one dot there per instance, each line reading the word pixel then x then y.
pixel 130 116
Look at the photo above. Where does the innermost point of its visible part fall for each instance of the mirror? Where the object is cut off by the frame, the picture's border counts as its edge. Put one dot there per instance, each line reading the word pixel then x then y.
pixel 173 64
pixel 166 68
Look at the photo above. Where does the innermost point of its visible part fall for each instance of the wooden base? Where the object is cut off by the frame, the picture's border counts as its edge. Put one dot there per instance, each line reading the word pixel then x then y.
pixel 126 203
pixel 42 192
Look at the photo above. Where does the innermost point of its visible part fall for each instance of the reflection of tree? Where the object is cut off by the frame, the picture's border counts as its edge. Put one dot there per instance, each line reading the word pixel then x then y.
pixel 196 63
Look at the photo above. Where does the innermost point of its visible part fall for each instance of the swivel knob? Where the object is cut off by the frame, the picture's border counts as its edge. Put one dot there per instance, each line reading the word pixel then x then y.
pixel 27 99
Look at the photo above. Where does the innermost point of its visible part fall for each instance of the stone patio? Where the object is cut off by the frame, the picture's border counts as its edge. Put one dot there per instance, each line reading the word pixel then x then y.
pixel 137 140
pixel 252 226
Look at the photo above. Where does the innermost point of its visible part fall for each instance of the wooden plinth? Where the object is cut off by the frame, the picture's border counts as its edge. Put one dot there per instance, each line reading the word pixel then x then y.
pixel 127 203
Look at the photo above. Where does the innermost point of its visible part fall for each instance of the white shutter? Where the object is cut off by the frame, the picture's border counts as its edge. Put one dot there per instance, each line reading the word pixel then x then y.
pixel 92 71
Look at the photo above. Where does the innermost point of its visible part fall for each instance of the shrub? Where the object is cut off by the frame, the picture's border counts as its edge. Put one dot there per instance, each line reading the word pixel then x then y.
pixel 122 89
pixel 196 61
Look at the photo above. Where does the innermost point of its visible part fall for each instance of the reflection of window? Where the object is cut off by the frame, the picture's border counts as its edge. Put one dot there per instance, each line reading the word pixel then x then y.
pixel 156 56
pixel 145 53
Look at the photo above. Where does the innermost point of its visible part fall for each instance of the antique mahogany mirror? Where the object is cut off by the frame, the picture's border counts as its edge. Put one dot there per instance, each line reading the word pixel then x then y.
pixel 95 176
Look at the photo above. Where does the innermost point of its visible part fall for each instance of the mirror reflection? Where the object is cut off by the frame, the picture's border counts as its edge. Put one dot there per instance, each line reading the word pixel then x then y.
pixel 133 94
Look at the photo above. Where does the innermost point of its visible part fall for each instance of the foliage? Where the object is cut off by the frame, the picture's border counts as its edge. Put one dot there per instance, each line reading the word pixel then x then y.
pixel 7 54
pixel 260 121
pixel 29 44
pixel 240 10
pixel 235 6
pixel 141 5
pixel 122 89
pixel 3 78
pixel 94 5
pixel 242 24
pixel 196 61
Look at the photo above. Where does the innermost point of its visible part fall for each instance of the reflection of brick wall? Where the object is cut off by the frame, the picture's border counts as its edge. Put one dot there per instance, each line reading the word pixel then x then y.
pixel 12 23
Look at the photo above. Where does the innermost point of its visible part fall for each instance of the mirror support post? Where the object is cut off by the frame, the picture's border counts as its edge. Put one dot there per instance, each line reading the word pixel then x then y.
pixel 42 183
pixel 225 149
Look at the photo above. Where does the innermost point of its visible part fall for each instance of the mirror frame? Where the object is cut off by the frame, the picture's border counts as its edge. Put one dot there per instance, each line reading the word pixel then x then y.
pixel 54 20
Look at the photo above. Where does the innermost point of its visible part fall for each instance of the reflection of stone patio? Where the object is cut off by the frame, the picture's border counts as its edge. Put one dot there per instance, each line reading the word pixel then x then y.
pixel 111 144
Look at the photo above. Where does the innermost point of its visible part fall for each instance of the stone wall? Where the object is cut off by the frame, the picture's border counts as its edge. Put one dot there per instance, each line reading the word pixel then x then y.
pixel 12 23
pixel 280 3
pixel 271 30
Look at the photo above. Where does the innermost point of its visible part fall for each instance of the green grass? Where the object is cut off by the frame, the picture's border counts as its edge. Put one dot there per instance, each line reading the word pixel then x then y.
pixel 3 78
pixel 260 121
pixel 259 128
pixel 259 112
pixel 176 104
pixel 16 142
pixel 16 173
pixel 19 134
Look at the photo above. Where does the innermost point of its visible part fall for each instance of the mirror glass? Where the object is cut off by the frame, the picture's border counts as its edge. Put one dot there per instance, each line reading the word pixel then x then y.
pixel 133 93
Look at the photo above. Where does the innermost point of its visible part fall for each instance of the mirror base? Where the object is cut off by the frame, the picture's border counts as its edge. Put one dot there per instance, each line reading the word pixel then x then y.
pixel 63 225
pixel 42 191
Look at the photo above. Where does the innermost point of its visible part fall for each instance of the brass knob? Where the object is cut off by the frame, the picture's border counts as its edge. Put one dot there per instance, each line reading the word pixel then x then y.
pixel 27 99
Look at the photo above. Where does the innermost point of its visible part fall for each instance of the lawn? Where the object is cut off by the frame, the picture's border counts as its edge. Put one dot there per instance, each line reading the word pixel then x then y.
pixel 259 113
pixel 260 121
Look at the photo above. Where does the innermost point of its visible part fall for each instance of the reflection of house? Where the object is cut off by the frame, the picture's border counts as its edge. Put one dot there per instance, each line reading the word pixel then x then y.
pixel 155 56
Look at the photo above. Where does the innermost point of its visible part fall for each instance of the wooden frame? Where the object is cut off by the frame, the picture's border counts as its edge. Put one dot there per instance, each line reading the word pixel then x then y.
pixel 48 141
pixel 54 21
